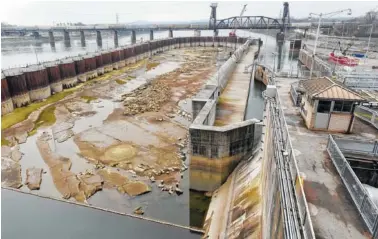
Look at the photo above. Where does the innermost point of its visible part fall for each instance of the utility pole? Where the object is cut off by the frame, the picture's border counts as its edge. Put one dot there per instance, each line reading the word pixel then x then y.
pixel 117 18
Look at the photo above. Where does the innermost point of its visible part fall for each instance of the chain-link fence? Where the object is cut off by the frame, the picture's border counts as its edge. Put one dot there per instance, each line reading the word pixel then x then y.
pixel 297 219
pixel 367 115
pixel 359 195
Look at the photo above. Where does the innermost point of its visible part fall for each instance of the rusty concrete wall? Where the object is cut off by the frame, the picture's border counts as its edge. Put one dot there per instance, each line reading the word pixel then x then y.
pixel 6 99
pixel 69 70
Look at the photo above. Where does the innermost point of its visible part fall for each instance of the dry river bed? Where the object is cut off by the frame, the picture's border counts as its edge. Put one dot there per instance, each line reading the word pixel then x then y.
pixel 119 143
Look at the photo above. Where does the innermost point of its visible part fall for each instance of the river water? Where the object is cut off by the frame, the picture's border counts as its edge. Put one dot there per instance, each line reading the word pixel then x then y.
pixel 21 53
pixel 27 212
pixel 29 216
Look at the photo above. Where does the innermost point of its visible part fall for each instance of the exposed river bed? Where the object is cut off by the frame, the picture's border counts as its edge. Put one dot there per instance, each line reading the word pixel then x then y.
pixel 95 135
pixel 118 143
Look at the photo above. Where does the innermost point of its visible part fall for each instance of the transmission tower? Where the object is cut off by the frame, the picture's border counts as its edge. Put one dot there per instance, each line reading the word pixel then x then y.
pixel 117 18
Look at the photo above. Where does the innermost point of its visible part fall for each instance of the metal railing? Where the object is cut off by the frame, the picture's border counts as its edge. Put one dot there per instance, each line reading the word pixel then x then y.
pixel 354 146
pixel 365 206
pixel 297 219
pixel 359 80
pixel 367 115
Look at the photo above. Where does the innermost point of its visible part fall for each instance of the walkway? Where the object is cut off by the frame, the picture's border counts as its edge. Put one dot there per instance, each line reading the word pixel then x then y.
pixel 332 211
pixel 233 100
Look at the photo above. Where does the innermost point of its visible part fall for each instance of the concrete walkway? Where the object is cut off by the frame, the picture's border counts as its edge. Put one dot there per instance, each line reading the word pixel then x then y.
pixel 233 100
pixel 332 211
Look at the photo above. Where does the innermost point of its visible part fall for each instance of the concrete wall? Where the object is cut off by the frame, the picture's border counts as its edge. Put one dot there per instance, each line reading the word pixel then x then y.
pixel 320 67
pixel 261 75
pixel 309 117
pixel 216 150
pixel 339 122
pixel 272 221
pixel 248 204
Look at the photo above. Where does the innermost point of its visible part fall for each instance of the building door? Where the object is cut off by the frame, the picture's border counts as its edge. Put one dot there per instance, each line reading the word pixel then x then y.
pixel 322 114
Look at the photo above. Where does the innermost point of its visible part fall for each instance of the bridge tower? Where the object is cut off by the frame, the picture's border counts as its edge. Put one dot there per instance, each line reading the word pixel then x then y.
pixel 213 18
pixel 285 16
pixel 285 22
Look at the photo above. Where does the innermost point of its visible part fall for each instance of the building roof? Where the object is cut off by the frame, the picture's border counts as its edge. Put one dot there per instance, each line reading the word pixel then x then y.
pixel 325 88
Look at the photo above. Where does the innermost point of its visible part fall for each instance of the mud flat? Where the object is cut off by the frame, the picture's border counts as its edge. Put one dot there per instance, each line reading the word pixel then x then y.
pixel 10 167
pixel 118 146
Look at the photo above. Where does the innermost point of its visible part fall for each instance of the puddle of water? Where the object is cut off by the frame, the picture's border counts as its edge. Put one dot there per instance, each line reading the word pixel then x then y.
pixel 32 158
pixel 96 120
pixel 156 204
pixel 69 150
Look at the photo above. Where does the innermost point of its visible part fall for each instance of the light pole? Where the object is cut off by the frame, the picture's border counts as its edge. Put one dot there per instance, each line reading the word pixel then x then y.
pixel 266 42
pixel 371 31
pixel 317 31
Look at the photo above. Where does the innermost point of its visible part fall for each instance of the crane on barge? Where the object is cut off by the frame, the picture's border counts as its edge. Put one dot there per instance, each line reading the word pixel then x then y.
pixel 232 33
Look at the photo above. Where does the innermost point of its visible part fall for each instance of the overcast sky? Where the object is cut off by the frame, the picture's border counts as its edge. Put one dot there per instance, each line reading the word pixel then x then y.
pixel 24 12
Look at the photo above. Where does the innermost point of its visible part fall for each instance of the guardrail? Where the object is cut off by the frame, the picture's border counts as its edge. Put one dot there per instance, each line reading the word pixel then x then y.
pixel 365 206
pixel 358 147
pixel 359 80
pixel 367 115
pixel 297 219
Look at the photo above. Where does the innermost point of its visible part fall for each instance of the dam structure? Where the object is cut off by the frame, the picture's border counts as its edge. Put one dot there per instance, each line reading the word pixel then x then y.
pixel 217 145
pixel 24 85
pixel 238 160
pixel 263 196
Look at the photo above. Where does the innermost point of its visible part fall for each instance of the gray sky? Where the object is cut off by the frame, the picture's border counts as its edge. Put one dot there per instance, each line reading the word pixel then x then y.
pixel 25 12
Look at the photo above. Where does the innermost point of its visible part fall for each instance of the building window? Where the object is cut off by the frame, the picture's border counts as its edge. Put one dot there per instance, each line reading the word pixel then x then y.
pixel 338 106
pixel 347 106
pixel 324 106
pixel 343 106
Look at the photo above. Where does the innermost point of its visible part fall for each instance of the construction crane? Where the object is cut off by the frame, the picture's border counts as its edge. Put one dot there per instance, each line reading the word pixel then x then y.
pixel 345 50
pixel 232 34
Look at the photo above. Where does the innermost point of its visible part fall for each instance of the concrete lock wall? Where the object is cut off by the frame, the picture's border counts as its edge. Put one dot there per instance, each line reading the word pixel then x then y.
pixel 272 220
pixel 319 68
pixel 216 150
pixel 77 68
